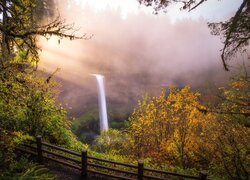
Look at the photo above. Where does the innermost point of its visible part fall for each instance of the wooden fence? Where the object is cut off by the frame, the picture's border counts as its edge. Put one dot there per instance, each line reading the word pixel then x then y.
pixel 97 166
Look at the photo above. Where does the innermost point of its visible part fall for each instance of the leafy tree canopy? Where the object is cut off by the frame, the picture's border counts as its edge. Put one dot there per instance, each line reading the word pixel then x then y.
pixel 27 97
pixel 23 22
pixel 170 129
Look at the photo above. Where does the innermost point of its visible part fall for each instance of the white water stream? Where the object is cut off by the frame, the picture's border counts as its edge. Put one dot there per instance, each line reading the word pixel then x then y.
pixel 102 102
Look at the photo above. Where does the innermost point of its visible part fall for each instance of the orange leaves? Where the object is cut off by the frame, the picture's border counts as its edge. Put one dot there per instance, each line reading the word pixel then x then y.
pixel 238 84
pixel 236 97
pixel 162 125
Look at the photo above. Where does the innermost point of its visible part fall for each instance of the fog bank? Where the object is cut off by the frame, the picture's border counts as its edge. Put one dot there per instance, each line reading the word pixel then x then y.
pixel 142 53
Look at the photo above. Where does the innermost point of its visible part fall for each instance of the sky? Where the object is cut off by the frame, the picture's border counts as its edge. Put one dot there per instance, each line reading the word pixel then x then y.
pixel 210 10
pixel 137 51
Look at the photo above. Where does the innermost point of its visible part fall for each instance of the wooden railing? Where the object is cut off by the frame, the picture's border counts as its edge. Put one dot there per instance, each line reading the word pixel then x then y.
pixel 97 166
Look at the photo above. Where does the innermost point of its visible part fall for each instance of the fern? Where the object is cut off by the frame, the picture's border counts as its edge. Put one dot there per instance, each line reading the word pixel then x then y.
pixel 37 172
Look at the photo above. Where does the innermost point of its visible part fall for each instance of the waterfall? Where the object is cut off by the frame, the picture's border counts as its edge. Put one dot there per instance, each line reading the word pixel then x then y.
pixel 102 102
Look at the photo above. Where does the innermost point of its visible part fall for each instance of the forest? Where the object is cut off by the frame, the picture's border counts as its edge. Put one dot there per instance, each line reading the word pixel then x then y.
pixel 182 129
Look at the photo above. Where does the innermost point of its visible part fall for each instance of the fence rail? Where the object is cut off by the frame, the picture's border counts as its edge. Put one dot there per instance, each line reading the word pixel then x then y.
pixel 89 164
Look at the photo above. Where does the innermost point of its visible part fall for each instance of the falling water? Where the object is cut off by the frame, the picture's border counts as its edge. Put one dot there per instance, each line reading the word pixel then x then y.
pixel 102 102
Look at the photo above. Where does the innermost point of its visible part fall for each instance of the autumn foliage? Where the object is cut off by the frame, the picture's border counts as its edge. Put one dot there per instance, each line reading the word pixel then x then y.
pixel 169 128
pixel 175 130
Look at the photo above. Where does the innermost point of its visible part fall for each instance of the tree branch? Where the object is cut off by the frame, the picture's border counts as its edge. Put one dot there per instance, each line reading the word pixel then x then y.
pixel 230 31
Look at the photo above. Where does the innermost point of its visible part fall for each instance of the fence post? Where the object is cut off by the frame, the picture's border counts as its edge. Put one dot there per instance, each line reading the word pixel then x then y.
pixel 203 175
pixel 140 170
pixel 84 164
pixel 39 148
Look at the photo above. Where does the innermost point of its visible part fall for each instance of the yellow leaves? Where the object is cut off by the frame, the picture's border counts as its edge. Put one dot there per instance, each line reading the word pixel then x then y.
pixel 173 129
pixel 238 84
pixel 236 99
pixel 164 125
pixel 226 93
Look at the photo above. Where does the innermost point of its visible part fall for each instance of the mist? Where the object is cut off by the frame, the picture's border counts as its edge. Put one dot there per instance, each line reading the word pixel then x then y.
pixel 138 54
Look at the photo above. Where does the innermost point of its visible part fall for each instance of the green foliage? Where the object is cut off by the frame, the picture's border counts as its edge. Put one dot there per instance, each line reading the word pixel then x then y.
pixel 27 98
pixel 174 133
pixel 230 150
pixel 86 127
pixel 24 170
pixel 21 169
pixel 168 129
pixel 21 25
pixel 108 141
pixel 37 172
pixel 8 141
pixel 118 114
pixel 31 107
pixel 235 97
pixel 117 124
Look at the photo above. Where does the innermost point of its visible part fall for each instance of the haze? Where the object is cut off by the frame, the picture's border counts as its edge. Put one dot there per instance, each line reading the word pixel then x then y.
pixel 137 52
